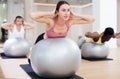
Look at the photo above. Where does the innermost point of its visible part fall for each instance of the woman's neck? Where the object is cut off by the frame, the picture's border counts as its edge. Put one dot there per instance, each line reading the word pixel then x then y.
pixel 60 22
pixel 18 25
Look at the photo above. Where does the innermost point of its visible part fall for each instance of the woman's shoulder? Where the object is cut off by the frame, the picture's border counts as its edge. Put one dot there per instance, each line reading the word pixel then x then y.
pixel 70 23
pixel 51 23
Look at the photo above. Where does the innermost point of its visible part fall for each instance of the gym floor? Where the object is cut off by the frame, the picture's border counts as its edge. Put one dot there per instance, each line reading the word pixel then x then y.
pixel 14 68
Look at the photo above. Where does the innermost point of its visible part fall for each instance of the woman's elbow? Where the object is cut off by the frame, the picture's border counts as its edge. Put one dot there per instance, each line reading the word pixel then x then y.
pixel 32 15
pixel 91 20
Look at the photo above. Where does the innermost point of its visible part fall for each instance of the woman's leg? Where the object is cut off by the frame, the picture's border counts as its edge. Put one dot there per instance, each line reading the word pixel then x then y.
pixel 40 37
pixel 3 34
pixel 81 42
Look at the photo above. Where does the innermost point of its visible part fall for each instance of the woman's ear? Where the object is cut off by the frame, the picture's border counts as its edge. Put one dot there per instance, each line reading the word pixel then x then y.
pixel 23 22
pixel 71 14
pixel 55 12
pixel 14 21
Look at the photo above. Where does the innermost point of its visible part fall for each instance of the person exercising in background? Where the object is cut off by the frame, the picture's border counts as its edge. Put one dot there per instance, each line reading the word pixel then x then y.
pixel 97 38
pixel 17 28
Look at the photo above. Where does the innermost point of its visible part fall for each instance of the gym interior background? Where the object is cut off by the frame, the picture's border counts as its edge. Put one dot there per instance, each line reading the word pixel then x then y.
pixel 106 13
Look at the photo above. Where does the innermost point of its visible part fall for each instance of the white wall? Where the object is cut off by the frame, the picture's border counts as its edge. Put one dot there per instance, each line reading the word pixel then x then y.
pixel 29 34
pixel 3 13
pixel 118 20
pixel 15 8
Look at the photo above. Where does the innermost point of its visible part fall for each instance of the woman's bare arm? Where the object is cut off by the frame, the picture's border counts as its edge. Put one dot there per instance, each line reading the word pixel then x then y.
pixel 80 19
pixel 7 26
pixel 92 35
pixel 42 17
pixel 28 25
pixel 116 35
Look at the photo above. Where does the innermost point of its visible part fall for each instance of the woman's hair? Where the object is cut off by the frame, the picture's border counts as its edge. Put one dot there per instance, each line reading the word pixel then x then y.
pixel 59 4
pixel 109 31
pixel 18 17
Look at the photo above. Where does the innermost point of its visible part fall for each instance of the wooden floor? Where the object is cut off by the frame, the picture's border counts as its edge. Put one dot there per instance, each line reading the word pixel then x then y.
pixel 10 68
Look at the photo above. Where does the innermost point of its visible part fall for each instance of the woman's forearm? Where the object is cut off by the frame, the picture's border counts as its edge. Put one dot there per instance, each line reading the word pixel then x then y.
pixel 87 18
pixel 92 35
pixel 116 35
pixel 6 25
pixel 37 15
pixel 28 25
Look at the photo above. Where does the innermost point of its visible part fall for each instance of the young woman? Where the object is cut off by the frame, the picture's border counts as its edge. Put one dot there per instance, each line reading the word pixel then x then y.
pixel 17 28
pixel 97 38
pixel 59 22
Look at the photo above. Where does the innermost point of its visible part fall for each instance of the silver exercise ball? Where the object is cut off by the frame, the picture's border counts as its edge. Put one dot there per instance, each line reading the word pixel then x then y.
pixel 16 47
pixel 55 57
pixel 91 50
pixel 81 41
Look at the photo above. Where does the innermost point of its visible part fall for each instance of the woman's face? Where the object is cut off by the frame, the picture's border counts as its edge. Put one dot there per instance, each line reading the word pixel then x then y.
pixel 64 12
pixel 19 21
